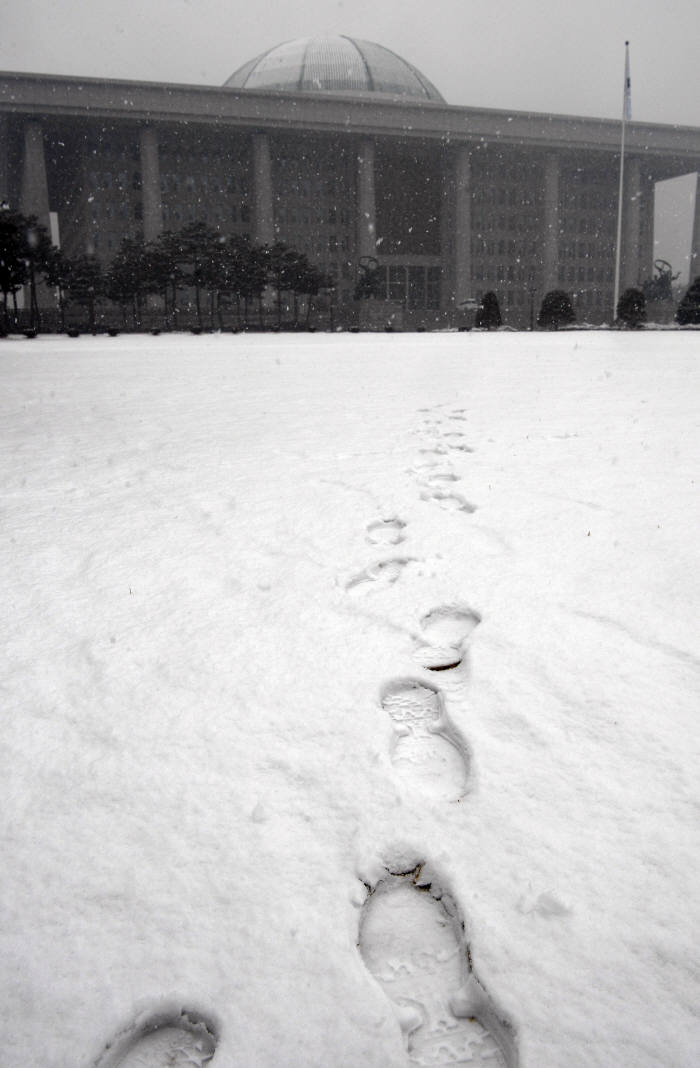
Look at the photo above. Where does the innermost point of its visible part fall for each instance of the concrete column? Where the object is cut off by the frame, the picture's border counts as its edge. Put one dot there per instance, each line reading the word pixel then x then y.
pixel 4 159
pixel 263 215
pixel 34 190
pixel 366 204
pixel 447 215
pixel 463 223
pixel 694 265
pixel 550 238
pixel 646 234
pixel 151 200
pixel 631 220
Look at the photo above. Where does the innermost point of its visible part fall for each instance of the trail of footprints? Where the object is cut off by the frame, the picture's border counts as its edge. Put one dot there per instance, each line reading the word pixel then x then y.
pixel 411 932
pixel 436 477
pixel 436 481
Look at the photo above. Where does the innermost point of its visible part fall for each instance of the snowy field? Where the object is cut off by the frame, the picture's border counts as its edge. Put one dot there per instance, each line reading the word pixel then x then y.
pixel 245 820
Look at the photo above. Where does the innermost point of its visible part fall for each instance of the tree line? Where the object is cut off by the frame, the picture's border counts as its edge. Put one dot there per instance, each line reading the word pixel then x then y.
pixel 223 272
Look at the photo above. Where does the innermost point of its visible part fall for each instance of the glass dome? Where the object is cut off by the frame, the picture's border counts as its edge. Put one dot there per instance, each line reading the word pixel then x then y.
pixel 336 65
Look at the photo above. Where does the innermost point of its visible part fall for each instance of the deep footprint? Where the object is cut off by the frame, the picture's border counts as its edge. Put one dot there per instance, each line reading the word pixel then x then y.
pixel 169 1041
pixel 412 941
pixel 446 630
pixel 426 750
pixel 383 574
pixel 386 532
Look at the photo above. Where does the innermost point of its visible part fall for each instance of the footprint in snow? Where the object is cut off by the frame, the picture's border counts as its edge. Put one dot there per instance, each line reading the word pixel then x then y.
pixel 412 941
pixel 386 531
pixel 180 1040
pixel 451 502
pixel 426 750
pixel 438 478
pixel 446 630
pixel 454 439
pixel 430 457
pixel 377 576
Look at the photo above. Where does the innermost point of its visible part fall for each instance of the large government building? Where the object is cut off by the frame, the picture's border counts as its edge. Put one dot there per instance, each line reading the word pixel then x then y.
pixel 343 150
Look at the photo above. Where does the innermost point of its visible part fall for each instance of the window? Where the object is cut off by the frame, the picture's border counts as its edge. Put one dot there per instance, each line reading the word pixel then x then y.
pixel 397 283
pixel 416 287
pixel 433 287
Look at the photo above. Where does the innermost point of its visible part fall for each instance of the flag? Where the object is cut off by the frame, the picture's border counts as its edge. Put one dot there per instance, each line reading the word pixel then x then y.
pixel 628 84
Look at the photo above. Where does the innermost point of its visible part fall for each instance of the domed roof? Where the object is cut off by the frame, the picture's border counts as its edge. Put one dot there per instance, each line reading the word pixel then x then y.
pixel 336 65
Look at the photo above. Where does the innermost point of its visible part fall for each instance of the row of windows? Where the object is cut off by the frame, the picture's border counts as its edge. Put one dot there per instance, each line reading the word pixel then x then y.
pixel 512 173
pixel 500 273
pixel 582 250
pixel 588 274
pixel 207 183
pixel 305 188
pixel 122 181
pixel 513 224
pixel 221 162
pixel 292 215
pixel 517 197
pixel 118 153
pixel 518 273
pixel 202 213
pixel 313 240
pixel 571 225
pixel 512 248
pixel 595 200
pixel 578 176
pixel 524 223
pixel 591 297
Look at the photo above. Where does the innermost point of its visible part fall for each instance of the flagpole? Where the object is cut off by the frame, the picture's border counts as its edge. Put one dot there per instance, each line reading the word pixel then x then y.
pixel 626 114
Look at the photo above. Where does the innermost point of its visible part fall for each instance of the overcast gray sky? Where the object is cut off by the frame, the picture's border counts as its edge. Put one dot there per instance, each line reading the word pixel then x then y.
pixel 546 55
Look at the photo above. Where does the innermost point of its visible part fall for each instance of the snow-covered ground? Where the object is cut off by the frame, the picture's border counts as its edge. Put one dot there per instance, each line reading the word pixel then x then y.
pixel 240 813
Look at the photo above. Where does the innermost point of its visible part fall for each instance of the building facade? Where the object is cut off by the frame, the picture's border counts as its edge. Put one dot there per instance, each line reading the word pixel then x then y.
pixel 342 150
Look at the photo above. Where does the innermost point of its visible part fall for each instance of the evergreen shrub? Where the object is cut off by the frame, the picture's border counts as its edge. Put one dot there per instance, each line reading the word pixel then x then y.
pixel 488 315
pixel 688 311
pixel 556 310
pixel 632 308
